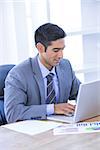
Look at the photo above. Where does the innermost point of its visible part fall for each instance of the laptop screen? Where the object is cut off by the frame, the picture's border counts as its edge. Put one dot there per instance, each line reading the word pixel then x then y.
pixel 88 101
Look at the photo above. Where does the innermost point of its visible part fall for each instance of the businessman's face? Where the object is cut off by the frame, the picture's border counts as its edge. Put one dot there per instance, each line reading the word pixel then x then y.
pixel 53 54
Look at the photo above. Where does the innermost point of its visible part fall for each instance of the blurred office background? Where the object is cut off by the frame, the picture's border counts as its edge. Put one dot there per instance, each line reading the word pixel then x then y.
pixel 79 18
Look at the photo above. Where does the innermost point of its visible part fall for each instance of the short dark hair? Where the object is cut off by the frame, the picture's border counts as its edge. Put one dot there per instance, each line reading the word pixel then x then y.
pixel 47 33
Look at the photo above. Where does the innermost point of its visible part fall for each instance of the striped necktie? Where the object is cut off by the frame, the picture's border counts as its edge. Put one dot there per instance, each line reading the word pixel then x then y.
pixel 51 97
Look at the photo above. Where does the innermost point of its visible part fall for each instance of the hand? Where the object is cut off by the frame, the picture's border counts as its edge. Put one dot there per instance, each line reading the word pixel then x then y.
pixel 64 108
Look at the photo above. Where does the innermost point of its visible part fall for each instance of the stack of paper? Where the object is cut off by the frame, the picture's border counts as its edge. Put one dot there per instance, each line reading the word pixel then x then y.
pixel 32 127
pixel 85 127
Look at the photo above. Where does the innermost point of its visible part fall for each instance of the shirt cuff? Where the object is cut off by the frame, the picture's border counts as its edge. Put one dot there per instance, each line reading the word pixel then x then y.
pixel 50 109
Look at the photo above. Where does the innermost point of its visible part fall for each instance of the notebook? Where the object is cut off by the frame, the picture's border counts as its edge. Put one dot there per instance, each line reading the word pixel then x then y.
pixel 87 106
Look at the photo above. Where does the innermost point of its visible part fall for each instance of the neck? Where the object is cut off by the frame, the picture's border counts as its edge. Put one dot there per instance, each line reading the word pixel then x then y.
pixel 45 64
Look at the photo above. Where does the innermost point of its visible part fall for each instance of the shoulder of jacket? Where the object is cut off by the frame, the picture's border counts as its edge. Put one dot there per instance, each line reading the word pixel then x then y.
pixel 65 62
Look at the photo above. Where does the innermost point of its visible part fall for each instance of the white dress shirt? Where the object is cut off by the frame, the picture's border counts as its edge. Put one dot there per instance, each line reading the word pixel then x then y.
pixel 45 72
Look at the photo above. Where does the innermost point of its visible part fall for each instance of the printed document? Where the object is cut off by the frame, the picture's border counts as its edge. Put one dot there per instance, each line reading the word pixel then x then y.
pixel 77 128
pixel 32 127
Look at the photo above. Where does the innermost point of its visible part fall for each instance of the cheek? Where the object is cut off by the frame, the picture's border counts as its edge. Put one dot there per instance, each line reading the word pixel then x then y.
pixel 51 57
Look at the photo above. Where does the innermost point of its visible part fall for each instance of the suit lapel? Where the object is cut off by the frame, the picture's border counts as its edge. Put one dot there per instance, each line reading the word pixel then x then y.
pixel 61 82
pixel 38 76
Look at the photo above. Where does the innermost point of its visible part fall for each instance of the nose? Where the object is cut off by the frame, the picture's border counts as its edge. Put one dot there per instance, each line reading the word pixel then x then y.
pixel 60 53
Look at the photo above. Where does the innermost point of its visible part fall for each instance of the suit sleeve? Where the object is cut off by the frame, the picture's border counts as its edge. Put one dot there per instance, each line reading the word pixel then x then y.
pixel 15 100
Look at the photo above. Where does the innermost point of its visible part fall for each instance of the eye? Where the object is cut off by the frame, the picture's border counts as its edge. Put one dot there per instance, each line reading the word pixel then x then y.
pixel 56 50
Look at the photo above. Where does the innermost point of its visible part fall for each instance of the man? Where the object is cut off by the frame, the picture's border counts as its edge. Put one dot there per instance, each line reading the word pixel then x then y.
pixel 26 94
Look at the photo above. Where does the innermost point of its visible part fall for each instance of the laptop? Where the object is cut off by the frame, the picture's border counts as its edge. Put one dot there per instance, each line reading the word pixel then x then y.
pixel 87 106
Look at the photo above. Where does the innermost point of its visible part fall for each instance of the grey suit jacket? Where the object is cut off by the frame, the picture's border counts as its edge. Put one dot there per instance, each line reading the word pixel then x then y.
pixel 24 93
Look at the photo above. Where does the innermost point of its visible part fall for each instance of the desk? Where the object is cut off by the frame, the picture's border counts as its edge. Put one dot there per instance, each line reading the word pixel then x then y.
pixel 11 140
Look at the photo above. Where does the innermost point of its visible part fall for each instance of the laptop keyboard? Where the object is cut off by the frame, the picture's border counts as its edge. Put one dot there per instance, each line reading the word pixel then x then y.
pixel 70 114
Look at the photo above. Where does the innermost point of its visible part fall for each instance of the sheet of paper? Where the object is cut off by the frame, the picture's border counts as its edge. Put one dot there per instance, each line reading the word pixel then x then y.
pixel 32 127
pixel 85 127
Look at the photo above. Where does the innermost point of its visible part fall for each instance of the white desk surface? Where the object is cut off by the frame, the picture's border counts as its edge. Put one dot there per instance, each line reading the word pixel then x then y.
pixel 11 140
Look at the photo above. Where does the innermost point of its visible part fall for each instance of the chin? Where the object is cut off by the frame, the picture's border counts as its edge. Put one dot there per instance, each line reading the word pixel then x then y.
pixel 55 64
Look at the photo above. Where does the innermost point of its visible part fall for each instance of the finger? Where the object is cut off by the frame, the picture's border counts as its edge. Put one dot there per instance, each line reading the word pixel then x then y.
pixel 70 106
pixel 67 110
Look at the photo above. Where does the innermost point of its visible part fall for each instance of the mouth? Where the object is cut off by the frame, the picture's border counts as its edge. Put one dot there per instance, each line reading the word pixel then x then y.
pixel 57 61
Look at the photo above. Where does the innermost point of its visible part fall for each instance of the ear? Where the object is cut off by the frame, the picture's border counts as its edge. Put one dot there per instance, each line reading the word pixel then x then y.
pixel 40 47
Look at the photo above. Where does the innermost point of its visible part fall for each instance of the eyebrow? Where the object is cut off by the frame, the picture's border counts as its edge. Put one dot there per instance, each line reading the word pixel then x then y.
pixel 58 48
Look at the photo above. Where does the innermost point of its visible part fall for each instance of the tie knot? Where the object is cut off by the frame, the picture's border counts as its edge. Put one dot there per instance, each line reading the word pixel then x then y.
pixel 50 76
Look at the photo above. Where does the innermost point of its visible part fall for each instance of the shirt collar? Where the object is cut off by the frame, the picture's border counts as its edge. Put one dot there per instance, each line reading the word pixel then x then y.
pixel 44 70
